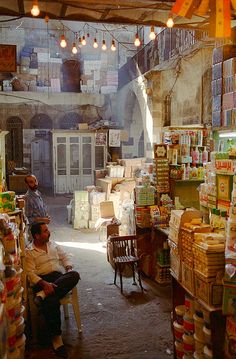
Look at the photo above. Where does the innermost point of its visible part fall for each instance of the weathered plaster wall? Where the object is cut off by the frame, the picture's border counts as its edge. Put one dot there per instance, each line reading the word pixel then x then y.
pixel 135 115
pixel 188 82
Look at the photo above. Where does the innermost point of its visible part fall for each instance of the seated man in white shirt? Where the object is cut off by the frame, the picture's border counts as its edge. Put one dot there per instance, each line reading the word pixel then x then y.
pixel 43 268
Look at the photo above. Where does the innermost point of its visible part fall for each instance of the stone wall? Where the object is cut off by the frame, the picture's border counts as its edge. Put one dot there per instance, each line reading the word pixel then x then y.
pixel 185 82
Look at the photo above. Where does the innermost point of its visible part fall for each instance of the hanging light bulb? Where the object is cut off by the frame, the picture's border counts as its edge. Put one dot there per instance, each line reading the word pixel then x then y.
pixel 88 35
pixel 113 45
pixel 35 8
pixel 63 42
pixel 137 42
pixel 152 34
pixel 83 42
pixel 170 22
pixel 104 46
pixel 74 48
pixel 95 44
pixel 46 19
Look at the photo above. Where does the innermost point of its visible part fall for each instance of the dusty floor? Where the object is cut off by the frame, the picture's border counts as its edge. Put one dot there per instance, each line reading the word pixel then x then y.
pixel 115 326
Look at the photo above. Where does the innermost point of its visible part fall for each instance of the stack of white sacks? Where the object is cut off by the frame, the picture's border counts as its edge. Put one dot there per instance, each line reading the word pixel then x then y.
pixel 95 198
pixel 81 209
pixel 86 208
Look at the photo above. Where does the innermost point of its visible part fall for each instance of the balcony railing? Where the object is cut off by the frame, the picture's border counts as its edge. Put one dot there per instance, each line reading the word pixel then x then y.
pixel 167 45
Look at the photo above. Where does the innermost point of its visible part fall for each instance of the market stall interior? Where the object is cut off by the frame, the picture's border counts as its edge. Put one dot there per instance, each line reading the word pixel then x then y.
pixel 142 145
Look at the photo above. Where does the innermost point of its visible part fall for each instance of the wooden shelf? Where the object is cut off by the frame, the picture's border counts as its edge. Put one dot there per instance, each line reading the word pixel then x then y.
pixel 217 320
pixel 190 180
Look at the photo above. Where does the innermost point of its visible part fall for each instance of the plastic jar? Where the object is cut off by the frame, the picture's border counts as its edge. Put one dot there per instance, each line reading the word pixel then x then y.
pixel 178 330
pixel 188 341
pixel 207 335
pixel 20 327
pixel 188 356
pixel 198 325
pixel 189 305
pixel 179 311
pixel 179 350
pixel 199 344
pixel 18 307
pixel 197 355
pixel 208 354
pixel 188 324
pixel 11 338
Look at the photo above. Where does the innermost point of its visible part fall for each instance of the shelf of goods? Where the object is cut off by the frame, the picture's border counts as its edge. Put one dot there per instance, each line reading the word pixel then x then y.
pixel 197 268
pixel 12 285
pixel 223 87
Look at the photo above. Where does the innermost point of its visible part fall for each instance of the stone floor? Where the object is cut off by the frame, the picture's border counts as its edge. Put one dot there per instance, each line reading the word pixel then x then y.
pixel 134 325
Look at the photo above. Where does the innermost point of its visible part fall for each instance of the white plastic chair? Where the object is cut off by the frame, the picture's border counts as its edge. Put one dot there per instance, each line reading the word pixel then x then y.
pixel 72 298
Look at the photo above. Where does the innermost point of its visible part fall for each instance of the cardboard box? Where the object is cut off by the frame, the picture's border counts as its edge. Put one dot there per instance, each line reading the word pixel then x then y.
pixel 83 126
pixel 107 209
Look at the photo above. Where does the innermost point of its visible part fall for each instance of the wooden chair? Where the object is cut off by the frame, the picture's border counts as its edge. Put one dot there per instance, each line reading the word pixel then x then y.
pixel 124 253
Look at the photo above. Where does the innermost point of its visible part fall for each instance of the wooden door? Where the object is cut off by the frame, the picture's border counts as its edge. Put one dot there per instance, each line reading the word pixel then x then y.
pixel 71 76
pixel 41 161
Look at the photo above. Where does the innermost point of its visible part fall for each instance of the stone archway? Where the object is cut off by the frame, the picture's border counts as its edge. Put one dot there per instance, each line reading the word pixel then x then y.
pixel 41 121
pixel 70 121
pixel 134 95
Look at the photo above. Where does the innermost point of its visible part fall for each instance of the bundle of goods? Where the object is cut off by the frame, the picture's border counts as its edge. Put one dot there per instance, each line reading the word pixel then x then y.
pixel 159 216
pixel 177 219
pixel 187 237
pixel 144 195
pixel 142 215
pixel 7 202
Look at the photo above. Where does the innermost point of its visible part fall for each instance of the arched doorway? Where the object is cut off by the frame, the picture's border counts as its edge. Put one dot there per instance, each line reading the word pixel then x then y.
pixel 41 121
pixel 14 143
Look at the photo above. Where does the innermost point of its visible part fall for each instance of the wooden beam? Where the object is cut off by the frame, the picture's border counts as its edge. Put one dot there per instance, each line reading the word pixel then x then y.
pixel 104 15
pixel 63 11
pixel 21 7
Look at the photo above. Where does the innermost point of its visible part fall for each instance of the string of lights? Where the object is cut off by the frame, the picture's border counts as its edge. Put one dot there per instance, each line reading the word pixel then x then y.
pixel 35 11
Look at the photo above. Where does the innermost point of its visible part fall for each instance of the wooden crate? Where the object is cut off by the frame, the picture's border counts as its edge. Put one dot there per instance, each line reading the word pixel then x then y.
pixel 209 290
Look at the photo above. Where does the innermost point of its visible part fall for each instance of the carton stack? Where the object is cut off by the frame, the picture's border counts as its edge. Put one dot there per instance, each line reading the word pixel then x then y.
pixel 95 198
pixel 223 85
pixel 81 209
pixel 131 165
